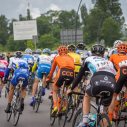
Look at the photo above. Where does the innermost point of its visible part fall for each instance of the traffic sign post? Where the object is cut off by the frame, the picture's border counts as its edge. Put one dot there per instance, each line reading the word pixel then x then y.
pixel 35 40
pixel 103 42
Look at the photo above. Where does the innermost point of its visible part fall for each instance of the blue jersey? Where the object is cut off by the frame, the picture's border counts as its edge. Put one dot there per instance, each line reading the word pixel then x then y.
pixel 29 59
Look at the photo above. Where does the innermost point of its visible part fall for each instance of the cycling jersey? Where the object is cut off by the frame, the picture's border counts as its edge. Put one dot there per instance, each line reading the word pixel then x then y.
pixel 83 53
pixel 113 51
pixel 44 65
pixel 20 67
pixel 77 61
pixel 35 56
pixel 3 67
pixel 117 58
pixel 62 61
pixel 28 58
pixel 94 64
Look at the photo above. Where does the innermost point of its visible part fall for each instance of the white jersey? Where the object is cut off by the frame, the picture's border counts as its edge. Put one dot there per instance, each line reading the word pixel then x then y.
pixel 44 59
pixel 112 52
pixel 52 56
pixel 105 54
pixel 17 63
pixel 95 64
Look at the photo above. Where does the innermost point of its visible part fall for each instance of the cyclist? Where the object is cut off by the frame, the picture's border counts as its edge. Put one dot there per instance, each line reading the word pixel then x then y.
pixel 20 68
pixel 3 68
pixel 44 65
pixel 36 54
pixel 103 79
pixel 114 50
pixel 66 68
pixel 80 50
pixel 119 60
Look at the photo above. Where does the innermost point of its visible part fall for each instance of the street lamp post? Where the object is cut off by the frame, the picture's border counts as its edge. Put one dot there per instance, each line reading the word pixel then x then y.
pixel 76 22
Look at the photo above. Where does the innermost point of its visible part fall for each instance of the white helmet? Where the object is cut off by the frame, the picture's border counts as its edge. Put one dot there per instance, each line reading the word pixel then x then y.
pixel 116 43
pixel 28 51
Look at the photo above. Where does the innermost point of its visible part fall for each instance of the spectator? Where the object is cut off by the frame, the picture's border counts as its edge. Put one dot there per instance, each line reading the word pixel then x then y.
pixel 8 57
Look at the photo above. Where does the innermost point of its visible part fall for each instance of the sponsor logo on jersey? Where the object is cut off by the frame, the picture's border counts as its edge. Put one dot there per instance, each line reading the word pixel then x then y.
pixel 88 87
pixel 106 78
pixel 96 83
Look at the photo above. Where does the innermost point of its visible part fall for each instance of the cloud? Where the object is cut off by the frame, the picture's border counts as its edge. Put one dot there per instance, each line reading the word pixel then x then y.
pixel 20 7
pixel 35 12
pixel 53 7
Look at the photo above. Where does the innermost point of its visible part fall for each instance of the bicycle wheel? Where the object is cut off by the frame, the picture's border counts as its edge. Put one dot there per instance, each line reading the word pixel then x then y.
pixel 17 111
pixel 52 118
pixel 9 114
pixel 70 109
pixel 6 92
pixel 78 118
pixel 62 114
pixel 103 121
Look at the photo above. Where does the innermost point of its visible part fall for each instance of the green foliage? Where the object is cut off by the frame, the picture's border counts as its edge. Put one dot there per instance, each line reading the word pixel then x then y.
pixel 30 44
pixel 15 45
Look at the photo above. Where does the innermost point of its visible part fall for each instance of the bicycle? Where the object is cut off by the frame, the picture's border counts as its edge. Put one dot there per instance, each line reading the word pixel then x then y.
pixel 15 107
pixel 7 85
pixel 62 115
pixel 99 109
pixel 30 84
pixel 119 118
pixel 38 96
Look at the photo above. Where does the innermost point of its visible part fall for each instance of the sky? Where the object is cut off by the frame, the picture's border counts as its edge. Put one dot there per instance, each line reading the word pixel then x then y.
pixel 12 8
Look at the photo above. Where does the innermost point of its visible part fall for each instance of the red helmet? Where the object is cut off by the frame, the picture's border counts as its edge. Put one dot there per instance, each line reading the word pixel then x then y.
pixel 121 47
pixel 62 49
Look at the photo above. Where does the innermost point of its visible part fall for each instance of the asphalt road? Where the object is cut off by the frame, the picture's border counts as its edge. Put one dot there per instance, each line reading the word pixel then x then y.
pixel 29 118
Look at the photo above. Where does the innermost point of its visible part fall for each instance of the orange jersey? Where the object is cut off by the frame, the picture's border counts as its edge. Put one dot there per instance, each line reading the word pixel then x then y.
pixel 62 61
pixel 117 58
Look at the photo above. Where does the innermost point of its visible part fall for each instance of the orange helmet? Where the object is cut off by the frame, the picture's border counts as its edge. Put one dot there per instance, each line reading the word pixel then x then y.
pixel 62 49
pixel 121 47
pixel 126 47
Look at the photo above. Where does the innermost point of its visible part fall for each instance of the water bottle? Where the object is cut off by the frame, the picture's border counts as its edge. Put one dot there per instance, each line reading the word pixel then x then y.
pixel 92 119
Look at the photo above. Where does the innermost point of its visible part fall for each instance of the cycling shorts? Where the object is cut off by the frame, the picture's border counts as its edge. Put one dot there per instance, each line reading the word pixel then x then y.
pixel 121 78
pixel 43 68
pixel 2 72
pixel 102 81
pixel 20 72
pixel 61 75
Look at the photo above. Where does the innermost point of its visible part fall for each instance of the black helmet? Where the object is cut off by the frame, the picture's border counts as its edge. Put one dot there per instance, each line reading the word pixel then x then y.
pixel 71 47
pixel 2 56
pixel 97 49
pixel 18 54
pixel 80 46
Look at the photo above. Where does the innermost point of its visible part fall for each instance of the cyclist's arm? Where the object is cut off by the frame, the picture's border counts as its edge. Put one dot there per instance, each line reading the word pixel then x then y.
pixel 52 69
pixel 35 65
pixel 8 70
pixel 79 76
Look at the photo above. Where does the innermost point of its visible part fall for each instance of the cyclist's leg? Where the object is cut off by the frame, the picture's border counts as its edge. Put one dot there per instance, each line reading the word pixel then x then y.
pixel 120 80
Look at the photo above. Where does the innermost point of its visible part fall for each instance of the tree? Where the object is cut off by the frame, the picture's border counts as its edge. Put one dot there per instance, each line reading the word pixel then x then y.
pixel 47 41
pixel 3 29
pixel 15 45
pixel 108 31
pixel 21 18
pixel 30 44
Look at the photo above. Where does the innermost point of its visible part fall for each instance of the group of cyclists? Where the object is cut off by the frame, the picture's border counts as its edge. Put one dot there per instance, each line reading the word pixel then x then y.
pixel 108 75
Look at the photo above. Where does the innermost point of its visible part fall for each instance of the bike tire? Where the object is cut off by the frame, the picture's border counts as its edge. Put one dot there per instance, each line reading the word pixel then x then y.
pixel 100 118
pixel 76 120
pixel 5 92
pixel 62 115
pixel 37 101
pixel 16 112
pixel 52 118
pixel 9 115
pixel 70 109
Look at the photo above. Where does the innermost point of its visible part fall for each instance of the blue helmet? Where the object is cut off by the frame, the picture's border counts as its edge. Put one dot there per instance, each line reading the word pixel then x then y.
pixel 47 51
pixel 55 52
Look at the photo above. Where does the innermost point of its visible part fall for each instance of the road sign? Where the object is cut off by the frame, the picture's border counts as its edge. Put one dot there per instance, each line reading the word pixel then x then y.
pixel 35 38
pixel 68 36
pixel 24 30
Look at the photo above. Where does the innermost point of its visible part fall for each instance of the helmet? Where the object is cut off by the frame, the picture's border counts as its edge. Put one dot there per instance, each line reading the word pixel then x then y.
pixel 47 51
pixel 86 48
pixel 97 49
pixel 62 49
pixel 38 51
pixel 71 47
pixel 28 51
pixel 2 56
pixel 55 52
pixel 121 47
pixel 52 52
pixel 80 46
pixel 18 54
pixel 116 43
